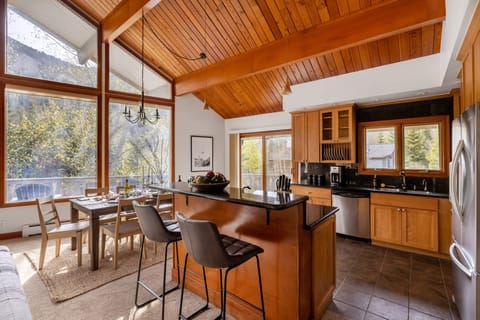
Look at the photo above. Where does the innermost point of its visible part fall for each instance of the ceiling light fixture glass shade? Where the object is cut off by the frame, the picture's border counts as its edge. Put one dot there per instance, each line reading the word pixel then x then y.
pixel 141 118
pixel 287 90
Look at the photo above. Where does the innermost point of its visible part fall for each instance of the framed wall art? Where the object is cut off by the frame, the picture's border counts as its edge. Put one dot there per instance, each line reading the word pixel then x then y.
pixel 201 153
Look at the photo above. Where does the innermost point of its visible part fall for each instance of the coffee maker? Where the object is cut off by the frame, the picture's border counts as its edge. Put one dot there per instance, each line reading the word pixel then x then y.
pixel 337 176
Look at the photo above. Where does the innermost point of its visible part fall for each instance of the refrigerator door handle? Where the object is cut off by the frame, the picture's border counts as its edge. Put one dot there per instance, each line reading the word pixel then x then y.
pixel 468 270
pixel 454 196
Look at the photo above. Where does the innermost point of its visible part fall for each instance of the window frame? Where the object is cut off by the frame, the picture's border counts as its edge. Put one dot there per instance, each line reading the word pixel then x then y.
pixel 262 135
pixel 444 145
pixel 101 93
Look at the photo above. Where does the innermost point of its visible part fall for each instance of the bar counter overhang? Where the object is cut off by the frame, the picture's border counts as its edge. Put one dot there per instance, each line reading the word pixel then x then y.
pixel 298 263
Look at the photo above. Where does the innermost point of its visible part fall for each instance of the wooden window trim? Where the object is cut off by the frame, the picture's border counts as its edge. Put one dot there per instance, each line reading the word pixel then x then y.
pixel 398 124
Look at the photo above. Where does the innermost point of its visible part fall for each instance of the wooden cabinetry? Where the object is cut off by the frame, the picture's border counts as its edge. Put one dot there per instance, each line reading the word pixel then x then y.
pixel 324 135
pixel 305 130
pixel 444 226
pixel 322 196
pixel 337 138
pixel 313 143
pixel 298 137
pixel 404 220
pixel 469 55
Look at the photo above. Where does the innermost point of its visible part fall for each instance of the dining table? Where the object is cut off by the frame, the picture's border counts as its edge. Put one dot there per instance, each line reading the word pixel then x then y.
pixel 97 206
pixel 94 208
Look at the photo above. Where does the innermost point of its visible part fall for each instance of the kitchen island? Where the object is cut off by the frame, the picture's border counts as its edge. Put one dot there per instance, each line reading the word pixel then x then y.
pixel 298 265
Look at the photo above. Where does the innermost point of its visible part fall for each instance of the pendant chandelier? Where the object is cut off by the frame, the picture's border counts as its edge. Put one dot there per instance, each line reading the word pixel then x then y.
pixel 141 118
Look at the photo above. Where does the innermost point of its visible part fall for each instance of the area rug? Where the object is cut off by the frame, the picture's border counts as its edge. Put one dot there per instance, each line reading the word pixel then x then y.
pixel 64 279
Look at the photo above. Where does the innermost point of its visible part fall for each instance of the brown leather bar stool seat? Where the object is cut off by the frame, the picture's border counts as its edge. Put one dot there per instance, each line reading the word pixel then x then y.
pixel 156 229
pixel 211 249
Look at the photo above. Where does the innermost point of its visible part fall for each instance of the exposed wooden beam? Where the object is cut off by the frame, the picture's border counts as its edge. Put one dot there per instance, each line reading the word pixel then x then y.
pixel 386 19
pixel 123 16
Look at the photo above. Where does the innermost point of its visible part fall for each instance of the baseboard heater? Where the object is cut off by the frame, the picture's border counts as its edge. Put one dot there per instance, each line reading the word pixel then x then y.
pixel 34 229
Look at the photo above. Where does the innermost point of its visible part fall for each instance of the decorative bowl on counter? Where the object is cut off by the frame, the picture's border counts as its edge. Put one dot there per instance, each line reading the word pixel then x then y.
pixel 214 187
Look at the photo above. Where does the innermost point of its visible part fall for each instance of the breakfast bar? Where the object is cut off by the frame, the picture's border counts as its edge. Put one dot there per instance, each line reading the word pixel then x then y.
pixel 298 263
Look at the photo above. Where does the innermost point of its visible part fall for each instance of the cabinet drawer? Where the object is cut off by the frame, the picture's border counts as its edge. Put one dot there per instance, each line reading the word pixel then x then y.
pixel 404 201
pixel 312 191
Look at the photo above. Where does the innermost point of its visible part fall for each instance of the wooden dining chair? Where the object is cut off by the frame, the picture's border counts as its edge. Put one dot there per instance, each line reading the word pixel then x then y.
pixel 164 205
pixel 121 228
pixel 47 213
pixel 89 192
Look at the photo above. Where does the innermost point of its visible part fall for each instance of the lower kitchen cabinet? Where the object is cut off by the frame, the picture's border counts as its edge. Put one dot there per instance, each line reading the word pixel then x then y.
pixel 317 195
pixel 408 221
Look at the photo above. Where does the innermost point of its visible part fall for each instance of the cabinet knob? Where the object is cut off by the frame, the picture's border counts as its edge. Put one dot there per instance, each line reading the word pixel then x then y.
pixel 398 209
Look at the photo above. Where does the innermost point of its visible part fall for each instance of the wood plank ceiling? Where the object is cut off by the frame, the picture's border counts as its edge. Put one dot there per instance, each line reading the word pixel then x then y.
pixel 252 46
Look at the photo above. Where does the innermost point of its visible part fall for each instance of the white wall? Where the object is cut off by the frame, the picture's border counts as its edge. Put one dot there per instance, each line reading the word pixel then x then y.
pixel 191 119
pixel 12 219
pixel 262 122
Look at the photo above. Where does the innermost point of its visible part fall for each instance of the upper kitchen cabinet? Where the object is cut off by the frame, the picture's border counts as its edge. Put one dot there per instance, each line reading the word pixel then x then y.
pixel 306 143
pixel 337 129
pixel 299 133
pixel 469 55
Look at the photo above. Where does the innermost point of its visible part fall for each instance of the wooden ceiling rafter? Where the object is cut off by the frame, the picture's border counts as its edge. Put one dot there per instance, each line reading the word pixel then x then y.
pixel 336 35
pixel 123 16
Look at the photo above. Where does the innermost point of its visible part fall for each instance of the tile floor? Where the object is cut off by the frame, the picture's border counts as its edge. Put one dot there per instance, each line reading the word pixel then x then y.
pixel 379 283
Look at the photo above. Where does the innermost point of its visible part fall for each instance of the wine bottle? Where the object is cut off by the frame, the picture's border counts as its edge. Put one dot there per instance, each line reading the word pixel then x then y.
pixel 126 189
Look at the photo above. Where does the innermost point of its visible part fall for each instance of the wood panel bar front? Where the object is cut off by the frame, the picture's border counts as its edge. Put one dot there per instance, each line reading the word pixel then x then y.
pixel 291 257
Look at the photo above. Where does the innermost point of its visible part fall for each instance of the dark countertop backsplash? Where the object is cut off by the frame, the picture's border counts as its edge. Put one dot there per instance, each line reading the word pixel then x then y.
pixel 352 178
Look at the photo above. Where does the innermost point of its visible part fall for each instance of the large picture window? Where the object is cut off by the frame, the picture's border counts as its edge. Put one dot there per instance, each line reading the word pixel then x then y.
pixel 418 146
pixel 141 154
pixel 45 40
pixel 264 157
pixel 51 145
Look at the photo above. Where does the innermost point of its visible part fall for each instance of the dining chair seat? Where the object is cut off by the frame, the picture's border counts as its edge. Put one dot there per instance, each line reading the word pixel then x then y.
pixel 211 249
pixel 69 227
pixel 156 229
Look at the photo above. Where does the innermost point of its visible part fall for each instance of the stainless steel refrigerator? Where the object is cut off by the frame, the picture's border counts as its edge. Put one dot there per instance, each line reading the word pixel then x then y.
pixel 464 188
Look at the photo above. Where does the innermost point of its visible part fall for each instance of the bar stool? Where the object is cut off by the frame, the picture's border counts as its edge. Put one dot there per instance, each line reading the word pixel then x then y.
pixel 211 249
pixel 158 230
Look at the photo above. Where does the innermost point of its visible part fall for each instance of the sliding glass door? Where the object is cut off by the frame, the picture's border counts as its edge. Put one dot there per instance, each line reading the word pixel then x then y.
pixel 264 157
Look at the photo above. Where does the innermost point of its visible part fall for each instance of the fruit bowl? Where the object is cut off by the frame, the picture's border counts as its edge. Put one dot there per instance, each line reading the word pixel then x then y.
pixel 214 187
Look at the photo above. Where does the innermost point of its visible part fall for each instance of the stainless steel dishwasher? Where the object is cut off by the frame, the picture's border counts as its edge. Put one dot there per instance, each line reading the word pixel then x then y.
pixel 353 216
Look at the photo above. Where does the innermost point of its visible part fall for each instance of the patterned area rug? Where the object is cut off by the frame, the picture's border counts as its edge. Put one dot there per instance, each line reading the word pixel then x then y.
pixel 64 279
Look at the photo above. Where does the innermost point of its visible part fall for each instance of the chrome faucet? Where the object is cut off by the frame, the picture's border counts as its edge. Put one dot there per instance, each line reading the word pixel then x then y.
pixel 425 183
pixel 404 183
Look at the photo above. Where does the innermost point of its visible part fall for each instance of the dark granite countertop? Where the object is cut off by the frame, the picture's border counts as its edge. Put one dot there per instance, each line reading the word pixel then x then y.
pixel 271 200
pixel 316 213
pixel 385 190
pixel 258 198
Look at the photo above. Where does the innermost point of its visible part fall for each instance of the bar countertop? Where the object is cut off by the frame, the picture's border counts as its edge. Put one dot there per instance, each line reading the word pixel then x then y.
pixel 313 214
pixel 258 198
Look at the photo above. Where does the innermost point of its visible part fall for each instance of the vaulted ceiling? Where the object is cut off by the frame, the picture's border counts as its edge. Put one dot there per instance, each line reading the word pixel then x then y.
pixel 253 46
